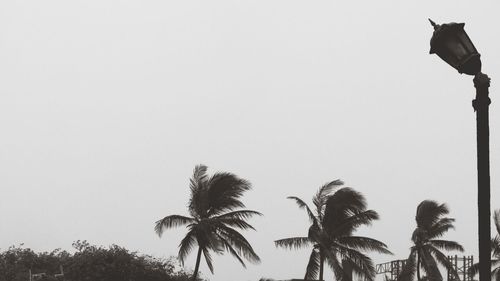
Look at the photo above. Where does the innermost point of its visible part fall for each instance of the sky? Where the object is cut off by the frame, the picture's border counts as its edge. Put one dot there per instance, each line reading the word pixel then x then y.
pixel 107 106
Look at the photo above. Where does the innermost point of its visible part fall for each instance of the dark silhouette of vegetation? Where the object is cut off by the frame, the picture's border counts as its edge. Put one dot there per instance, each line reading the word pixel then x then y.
pixel 88 263
pixel 495 252
pixel 426 250
pixel 338 214
pixel 215 216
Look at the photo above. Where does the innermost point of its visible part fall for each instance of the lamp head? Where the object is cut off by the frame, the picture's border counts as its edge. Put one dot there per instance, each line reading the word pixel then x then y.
pixel 452 44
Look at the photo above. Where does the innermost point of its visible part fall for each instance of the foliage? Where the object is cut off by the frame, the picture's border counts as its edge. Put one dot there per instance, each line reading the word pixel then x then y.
pixel 495 252
pixel 215 216
pixel 88 263
pixel 336 216
pixel 426 252
pixel 15 262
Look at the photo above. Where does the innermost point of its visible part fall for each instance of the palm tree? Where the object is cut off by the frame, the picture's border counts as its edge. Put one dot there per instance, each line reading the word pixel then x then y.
pixel 337 215
pixel 495 252
pixel 426 250
pixel 215 216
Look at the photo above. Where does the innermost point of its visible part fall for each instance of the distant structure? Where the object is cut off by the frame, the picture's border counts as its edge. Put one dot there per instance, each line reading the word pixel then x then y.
pixel 269 279
pixel 462 265
pixel 393 268
pixel 38 276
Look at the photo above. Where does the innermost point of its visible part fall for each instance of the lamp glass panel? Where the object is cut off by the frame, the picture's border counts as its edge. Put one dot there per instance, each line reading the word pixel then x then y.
pixel 464 38
pixel 455 46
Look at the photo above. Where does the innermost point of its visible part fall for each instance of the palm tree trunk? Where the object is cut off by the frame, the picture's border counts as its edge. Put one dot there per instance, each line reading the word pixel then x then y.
pixel 197 266
pixel 321 262
pixel 418 266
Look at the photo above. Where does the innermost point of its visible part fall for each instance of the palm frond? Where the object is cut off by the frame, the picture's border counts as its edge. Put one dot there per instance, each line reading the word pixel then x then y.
pixel 362 265
pixel 348 198
pixel 443 260
pixel 442 226
pixel 474 269
pixel 409 268
pixel 446 245
pixel 334 263
pixel 206 235
pixel 171 221
pixel 313 265
pixel 237 241
pixel 235 222
pixel 293 243
pixel 200 172
pixel 225 191
pixel 240 214
pixel 495 274
pixel 343 204
pixel 364 244
pixel 496 218
pixel 232 250
pixel 348 224
pixel 350 268
pixel 321 196
pixel 198 202
pixel 429 212
pixel 429 265
pixel 303 205
pixel 495 246
pixel 208 260
pixel 186 245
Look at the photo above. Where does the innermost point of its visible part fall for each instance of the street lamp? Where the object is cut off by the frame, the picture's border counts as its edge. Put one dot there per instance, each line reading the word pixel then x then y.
pixel 453 45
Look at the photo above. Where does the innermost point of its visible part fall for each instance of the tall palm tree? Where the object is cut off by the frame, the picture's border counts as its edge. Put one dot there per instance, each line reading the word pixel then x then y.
pixel 495 252
pixel 426 250
pixel 338 213
pixel 215 216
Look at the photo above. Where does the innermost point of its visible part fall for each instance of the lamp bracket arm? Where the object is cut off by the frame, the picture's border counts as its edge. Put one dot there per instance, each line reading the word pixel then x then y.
pixel 482 84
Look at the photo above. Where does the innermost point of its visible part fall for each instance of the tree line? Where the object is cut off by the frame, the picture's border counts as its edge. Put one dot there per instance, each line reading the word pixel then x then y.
pixel 88 263
pixel 217 214
pixel 216 217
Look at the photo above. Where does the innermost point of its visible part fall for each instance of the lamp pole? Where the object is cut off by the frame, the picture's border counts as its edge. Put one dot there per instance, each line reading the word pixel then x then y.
pixel 452 44
pixel 481 106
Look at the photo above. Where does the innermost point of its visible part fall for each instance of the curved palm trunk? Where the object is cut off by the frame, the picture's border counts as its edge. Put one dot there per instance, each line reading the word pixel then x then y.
pixel 321 262
pixel 197 266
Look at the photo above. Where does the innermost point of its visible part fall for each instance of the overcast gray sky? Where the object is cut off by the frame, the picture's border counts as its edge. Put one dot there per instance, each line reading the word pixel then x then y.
pixel 107 106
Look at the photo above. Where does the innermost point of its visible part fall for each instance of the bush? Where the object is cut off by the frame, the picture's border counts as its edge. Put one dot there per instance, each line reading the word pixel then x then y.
pixel 88 263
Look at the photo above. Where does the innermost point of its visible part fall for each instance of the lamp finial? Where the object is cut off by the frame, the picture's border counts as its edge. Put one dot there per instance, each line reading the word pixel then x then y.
pixel 433 24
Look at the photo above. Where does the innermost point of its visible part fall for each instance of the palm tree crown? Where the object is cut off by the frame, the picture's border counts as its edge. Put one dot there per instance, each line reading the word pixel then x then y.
pixel 215 215
pixel 426 250
pixel 337 214
pixel 495 252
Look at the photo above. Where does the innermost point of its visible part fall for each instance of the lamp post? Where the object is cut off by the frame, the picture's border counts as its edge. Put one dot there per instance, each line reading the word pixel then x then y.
pixel 453 45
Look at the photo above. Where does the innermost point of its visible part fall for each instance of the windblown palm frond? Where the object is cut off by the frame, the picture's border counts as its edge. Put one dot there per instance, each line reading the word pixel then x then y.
pixel 364 244
pixel 319 200
pixel 187 244
pixel 410 267
pixel 293 243
pixel 429 213
pixel 351 223
pixel 313 266
pixel 225 191
pixel 197 202
pixel 170 222
pixel 312 217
